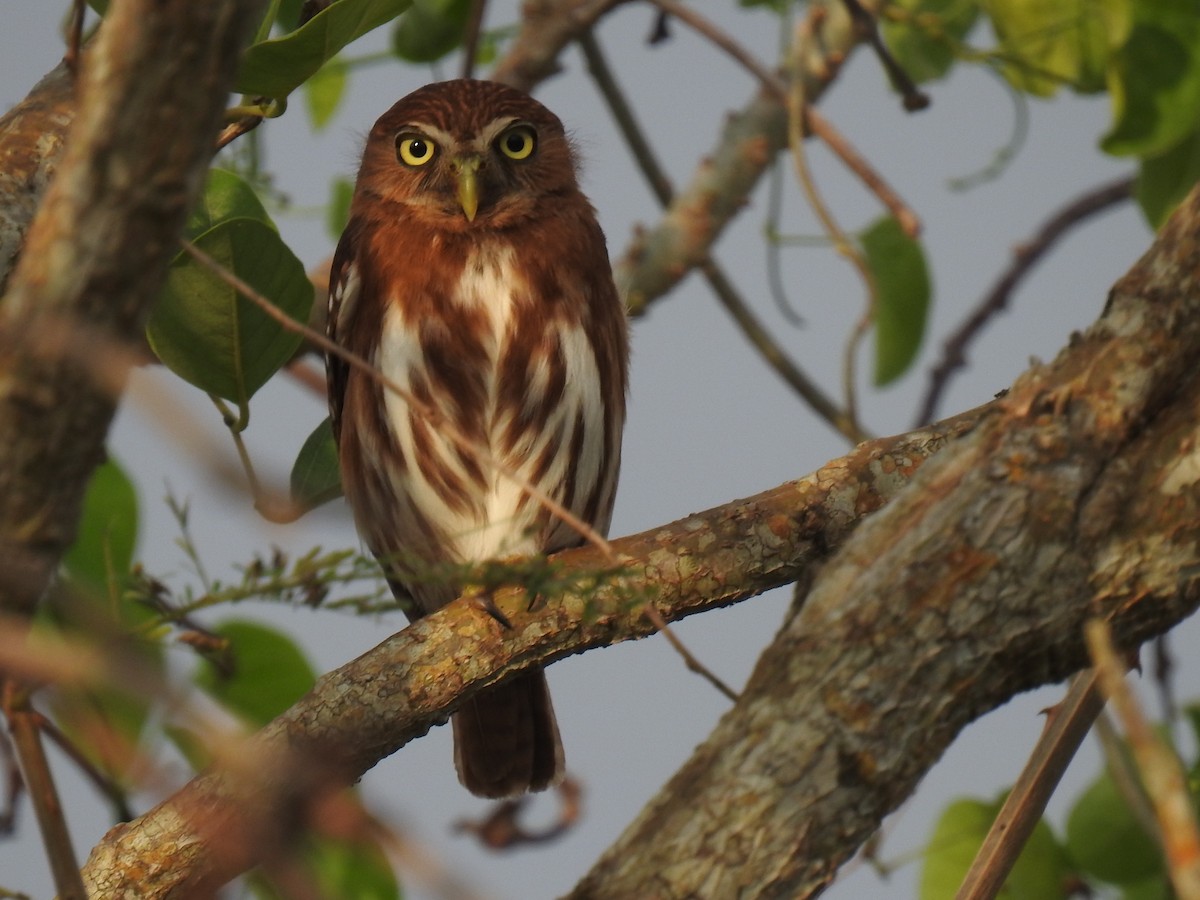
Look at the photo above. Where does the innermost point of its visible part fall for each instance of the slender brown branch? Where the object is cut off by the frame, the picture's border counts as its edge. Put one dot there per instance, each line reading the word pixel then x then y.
pixel 728 295
pixel 235 129
pixel 1025 257
pixel 370 707
pixel 821 128
pixel 1164 780
pixel 75 35
pixel 39 783
pixel 1067 724
pixel 914 98
pixel 797 106
pixel 102 782
pixel 723 40
pixel 471 36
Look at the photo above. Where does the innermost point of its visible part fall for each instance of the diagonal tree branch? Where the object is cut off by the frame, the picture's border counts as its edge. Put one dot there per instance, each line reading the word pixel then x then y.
pixel 1077 495
pixel 369 708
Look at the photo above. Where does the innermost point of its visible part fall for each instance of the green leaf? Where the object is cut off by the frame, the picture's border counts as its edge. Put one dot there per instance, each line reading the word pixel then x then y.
pixel 1157 888
pixel 107 536
pixel 1040 870
pixel 430 29
pixel 1163 181
pixel 276 67
pixel 316 478
pixel 1154 81
pixel 1105 839
pixel 356 869
pixel 190 744
pixel 1049 43
pixel 337 214
pixel 902 292
pixel 324 91
pixel 226 196
pixel 924 34
pixel 269 672
pixel 212 337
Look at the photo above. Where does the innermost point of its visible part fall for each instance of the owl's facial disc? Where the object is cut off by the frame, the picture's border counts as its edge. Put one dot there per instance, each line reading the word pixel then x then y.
pixel 466 176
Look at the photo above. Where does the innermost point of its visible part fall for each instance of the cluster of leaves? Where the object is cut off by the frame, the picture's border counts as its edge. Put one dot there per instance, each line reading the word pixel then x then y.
pixel 1144 53
pixel 253 671
pixel 1110 842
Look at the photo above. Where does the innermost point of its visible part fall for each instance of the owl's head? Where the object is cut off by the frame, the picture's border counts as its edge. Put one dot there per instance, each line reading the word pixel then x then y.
pixel 467 154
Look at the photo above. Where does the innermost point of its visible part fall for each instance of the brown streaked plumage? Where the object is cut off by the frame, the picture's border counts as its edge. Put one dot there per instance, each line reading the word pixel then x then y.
pixel 474 274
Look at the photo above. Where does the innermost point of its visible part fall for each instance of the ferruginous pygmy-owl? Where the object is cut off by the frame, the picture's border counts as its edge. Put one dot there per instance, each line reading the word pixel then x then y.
pixel 473 273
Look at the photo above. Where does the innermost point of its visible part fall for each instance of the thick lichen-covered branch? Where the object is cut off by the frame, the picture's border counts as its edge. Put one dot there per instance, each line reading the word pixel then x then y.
pixel 367 709
pixel 1077 496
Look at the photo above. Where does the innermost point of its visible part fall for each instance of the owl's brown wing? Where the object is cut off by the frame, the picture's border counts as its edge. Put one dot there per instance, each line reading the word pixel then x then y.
pixel 345 286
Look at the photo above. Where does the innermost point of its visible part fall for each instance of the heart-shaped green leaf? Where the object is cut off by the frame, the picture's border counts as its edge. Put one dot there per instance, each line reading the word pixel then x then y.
pixel 1040 871
pixel 316 478
pixel 107 535
pixel 902 292
pixel 269 673
pixel 212 337
pixel 226 196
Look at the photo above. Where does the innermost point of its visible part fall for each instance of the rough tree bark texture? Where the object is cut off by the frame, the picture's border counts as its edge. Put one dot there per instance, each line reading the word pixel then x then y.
pixel 1078 495
pixel 151 97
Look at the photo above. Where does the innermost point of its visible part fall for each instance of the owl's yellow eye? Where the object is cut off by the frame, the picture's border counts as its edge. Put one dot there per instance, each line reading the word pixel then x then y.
pixel 415 150
pixel 518 142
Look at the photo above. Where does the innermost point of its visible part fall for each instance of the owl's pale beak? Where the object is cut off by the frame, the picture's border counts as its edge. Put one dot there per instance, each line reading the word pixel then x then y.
pixel 466 169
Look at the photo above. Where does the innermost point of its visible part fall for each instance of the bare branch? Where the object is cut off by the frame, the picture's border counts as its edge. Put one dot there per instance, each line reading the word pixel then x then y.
pixel 1077 496
pixel 1025 257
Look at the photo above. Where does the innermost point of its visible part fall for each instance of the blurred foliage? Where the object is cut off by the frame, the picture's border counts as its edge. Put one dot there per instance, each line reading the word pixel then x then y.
pixel 1107 850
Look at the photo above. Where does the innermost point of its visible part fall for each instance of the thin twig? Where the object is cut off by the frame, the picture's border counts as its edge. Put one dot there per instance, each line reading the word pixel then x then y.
pixel 471 36
pixel 820 127
pixel 1161 774
pixel 1067 724
pixel 914 98
pixel 634 136
pixel 236 129
pixel 304 374
pixel 726 293
pixel 104 784
pixel 35 770
pixel 1164 667
pixel 75 36
pixel 842 420
pixel 1025 257
pixel 265 502
pixel 797 108
pixel 721 38
pixel 813 122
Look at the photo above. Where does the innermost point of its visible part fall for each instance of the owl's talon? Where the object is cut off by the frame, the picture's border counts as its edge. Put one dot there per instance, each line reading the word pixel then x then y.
pixel 485 602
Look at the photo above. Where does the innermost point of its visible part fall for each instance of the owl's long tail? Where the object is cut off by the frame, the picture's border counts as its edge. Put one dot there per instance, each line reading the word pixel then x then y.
pixel 506 739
